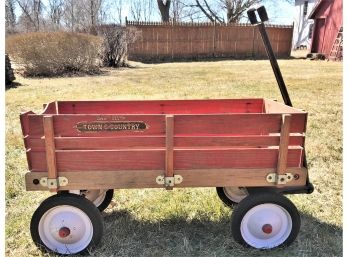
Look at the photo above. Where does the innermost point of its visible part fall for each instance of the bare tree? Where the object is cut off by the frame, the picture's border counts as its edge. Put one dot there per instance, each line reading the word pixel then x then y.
pixel 208 11
pixel 31 13
pixel 148 8
pixel 83 15
pixel 177 10
pixel 36 12
pixel 112 11
pixel 136 10
pixel 92 9
pixel 141 10
pixel 56 11
pixel 233 9
pixel 164 7
pixel 70 7
pixel 10 18
pixel 118 9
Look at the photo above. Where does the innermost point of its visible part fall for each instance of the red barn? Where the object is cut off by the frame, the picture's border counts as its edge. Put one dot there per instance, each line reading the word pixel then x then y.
pixel 328 19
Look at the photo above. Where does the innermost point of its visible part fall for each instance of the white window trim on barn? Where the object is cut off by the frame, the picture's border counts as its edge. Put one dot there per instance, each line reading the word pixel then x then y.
pixel 301 35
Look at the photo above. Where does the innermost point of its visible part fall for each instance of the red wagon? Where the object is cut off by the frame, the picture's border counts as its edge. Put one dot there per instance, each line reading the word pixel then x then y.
pixel 251 150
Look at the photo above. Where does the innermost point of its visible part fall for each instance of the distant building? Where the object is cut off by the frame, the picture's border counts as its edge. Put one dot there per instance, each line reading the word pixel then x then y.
pixel 328 19
pixel 302 25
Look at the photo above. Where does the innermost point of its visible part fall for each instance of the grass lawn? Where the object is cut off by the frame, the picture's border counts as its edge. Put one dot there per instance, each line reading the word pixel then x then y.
pixel 191 222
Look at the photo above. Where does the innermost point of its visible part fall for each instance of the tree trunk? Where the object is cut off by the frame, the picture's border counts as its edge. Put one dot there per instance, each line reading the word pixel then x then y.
pixel 164 6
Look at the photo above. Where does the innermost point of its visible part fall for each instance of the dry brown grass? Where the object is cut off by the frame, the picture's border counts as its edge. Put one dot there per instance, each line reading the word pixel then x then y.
pixel 191 222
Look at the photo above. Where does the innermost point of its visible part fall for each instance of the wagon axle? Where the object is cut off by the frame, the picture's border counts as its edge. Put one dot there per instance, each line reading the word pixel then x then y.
pixel 64 232
pixel 267 228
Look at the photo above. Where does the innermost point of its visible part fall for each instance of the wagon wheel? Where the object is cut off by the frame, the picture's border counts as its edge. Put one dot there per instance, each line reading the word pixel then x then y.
pixel 100 198
pixel 231 195
pixel 265 221
pixel 66 224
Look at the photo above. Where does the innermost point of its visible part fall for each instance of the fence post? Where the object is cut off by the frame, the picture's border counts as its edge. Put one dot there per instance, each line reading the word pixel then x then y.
pixel 172 29
pixel 214 35
pixel 291 38
pixel 253 52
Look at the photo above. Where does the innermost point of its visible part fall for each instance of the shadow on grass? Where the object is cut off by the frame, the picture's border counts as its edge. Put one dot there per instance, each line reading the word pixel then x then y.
pixel 179 236
pixel 205 59
pixel 13 85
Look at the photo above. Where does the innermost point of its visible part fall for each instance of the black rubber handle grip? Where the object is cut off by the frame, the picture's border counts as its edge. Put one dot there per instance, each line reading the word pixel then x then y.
pixel 252 16
pixel 262 13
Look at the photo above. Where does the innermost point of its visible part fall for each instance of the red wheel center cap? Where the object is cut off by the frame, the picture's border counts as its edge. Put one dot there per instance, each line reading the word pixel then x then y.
pixel 267 228
pixel 64 232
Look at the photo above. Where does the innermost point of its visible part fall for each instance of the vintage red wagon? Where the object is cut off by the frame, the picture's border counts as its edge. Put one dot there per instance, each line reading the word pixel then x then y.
pixel 251 150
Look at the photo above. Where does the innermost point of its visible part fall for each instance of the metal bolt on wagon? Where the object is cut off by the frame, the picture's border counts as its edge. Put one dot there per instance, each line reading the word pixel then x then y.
pixel 251 150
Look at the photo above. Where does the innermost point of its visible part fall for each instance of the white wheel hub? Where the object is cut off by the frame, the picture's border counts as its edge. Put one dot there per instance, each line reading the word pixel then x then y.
pixel 65 229
pixel 95 196
pixel 235 194
pixel 266 226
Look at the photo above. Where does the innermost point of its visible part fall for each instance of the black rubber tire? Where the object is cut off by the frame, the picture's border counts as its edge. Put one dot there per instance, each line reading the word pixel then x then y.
pixel 256 199
pixel 107 200
pixel 73 200
pixel 224 198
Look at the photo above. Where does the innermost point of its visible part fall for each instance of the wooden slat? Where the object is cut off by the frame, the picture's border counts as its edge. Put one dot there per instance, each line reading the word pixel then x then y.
pixel 25 122
pixel 237 124
pixel 66 125
pixel 169 172
pixel 29 159
pixel 50 148
pixel 84 160
pixel 35 122
pixel 162 106
pixel 233 158
pixel 101 179
pixel 231 124
pixel 50 108
pixel 95 143
pixel 154 159
pixel 234 177
pixel 235 141
pixel 146 179
pixel 276 107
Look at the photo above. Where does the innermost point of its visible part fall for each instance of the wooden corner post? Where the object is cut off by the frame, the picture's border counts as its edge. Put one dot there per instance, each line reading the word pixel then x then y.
pixel 52 174
pixel 169 172
pixel 283 148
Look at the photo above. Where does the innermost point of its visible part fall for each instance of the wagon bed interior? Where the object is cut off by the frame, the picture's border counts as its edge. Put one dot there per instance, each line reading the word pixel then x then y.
pixel 209 106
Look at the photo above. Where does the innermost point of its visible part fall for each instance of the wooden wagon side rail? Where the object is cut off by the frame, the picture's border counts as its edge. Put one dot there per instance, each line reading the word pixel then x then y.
pixel 143 142
pixel 146 179
pixel 265 146
pixel 155 158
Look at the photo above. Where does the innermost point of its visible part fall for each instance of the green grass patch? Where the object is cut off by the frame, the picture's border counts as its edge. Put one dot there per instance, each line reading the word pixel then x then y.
pixel 190 222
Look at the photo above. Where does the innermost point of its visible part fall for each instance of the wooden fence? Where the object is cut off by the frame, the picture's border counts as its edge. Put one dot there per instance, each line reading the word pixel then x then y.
pixel 160 41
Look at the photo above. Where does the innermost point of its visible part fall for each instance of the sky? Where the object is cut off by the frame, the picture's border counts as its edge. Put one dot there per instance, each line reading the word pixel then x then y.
pixel 279 11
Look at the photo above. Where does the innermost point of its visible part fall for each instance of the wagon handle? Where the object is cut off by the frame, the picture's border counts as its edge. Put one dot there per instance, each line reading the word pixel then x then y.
pixel 276 70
